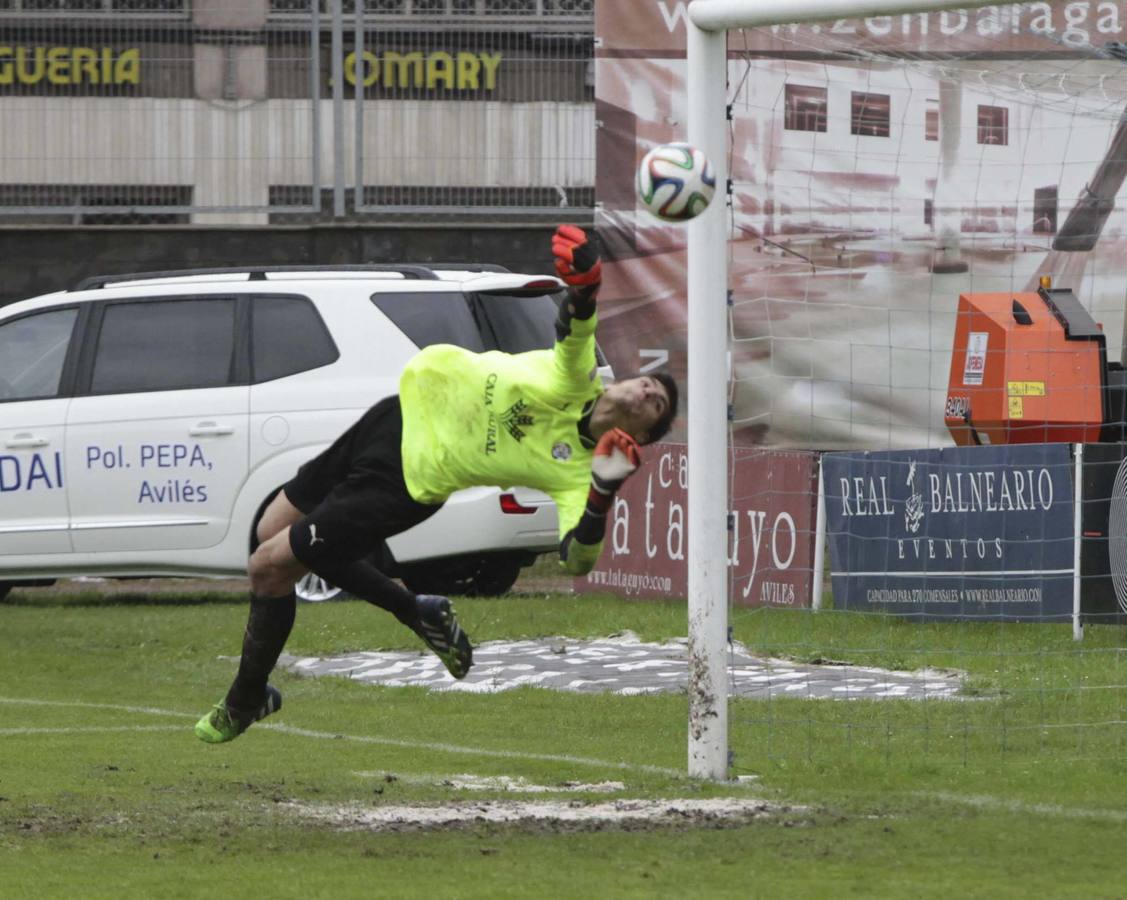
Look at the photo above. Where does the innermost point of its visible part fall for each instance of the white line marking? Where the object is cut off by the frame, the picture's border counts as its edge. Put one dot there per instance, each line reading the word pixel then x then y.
pixel 92 729
pixel 1016 806
pixel 369 739
pixel 79 704
pixel 477 751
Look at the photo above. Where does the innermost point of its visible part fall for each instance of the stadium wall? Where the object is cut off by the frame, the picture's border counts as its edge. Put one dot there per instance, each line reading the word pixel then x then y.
pixel 248 112
pixel 38 260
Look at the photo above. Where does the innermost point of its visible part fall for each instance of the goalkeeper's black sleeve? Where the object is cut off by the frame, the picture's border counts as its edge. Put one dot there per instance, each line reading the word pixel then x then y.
pixel 591 525
pixel 578 303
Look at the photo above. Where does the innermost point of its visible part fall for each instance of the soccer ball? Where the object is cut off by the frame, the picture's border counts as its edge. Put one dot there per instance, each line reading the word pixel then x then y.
pixel 675 182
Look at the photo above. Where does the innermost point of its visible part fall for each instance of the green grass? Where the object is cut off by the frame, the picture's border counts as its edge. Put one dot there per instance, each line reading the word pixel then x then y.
pixel 1039 695
pixel 105 792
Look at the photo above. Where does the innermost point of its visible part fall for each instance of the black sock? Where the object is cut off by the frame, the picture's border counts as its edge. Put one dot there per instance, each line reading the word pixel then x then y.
pixel 365 581
pixel 268 626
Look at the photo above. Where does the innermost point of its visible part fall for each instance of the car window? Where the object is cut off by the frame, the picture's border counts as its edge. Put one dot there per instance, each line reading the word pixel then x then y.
pixel 287 336
pixel 516 324
pixel 32 352
pixel 165 345
pixel 438 318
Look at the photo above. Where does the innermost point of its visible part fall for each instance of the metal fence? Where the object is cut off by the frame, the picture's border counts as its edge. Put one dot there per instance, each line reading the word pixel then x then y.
pixel 285 111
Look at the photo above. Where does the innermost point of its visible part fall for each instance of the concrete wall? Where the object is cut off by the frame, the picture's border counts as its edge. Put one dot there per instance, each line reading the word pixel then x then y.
pixel 39 260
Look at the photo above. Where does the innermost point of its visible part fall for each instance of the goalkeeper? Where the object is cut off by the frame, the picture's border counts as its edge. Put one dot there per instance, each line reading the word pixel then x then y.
pixel 541 419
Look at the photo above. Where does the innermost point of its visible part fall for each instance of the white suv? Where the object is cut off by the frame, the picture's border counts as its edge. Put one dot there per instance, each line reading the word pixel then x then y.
pixel 146 420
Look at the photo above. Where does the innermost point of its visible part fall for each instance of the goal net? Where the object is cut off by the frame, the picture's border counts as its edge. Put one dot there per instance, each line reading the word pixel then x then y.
pixel 881 168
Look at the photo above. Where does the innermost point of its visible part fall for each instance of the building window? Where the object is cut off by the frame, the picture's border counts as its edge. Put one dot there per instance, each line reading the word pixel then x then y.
pixel 931 121
pixel 871 114
pixel 106 7
pixel 95 204
pixel 1045 210
pixel 993 125
pixel 805 108
pixel 294 203
pixel 538 9
pixel 929 212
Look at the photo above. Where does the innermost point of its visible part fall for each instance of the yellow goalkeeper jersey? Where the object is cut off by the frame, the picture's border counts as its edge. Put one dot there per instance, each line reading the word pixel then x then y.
pixel 504 419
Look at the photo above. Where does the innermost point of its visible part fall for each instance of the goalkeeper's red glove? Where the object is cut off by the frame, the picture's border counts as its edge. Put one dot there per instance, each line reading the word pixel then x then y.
pixel 577 257
pixel 617 457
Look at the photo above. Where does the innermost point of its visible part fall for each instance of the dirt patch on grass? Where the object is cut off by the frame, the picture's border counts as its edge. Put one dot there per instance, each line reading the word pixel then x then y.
pixel 549 816
pixel 41 822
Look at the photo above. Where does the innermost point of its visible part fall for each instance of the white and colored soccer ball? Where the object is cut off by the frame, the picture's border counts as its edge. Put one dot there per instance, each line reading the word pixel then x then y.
pixel 675 182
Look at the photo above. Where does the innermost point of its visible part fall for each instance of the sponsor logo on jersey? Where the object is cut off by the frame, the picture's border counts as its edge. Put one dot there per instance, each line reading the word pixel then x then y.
pixel 561 451
pixel 514 419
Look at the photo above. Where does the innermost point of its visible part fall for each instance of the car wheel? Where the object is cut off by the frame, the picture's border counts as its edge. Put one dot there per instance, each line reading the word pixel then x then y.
pixel 467 576
pixel 7 586
pixel 314 589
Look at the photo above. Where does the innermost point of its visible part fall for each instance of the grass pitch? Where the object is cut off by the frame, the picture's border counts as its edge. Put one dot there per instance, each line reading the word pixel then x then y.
pixel 1017 790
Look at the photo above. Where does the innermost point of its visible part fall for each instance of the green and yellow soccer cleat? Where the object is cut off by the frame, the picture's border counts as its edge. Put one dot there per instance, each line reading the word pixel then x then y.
pixel 219 726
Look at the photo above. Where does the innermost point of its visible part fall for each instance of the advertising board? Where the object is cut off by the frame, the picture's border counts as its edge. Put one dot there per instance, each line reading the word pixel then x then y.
pixel 770 528
pixel 969 532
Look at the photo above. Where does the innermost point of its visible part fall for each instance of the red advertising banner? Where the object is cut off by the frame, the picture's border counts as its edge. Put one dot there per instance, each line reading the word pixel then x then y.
pixel 771 531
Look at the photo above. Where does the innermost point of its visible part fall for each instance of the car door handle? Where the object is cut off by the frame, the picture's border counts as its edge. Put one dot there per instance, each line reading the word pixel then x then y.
pixel 25 440
pixel 205 429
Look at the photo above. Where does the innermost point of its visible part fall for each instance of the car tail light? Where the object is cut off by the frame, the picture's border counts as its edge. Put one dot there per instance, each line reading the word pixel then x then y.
pixel 513 507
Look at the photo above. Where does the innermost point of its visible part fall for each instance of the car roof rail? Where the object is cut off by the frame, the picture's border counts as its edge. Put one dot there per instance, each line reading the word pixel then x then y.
pixel 259 273
pixel 468 267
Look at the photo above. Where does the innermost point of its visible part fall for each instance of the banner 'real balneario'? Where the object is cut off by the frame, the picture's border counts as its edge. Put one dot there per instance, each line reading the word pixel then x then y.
pixel 975 532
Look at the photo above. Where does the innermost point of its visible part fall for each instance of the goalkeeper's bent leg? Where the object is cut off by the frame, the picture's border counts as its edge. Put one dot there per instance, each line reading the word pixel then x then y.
pixel 273 572
pixel 364 580
pixel 432 618
pixel 269 625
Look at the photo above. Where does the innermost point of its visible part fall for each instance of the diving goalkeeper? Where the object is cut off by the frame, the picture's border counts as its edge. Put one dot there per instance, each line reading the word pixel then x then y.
pixel 541 419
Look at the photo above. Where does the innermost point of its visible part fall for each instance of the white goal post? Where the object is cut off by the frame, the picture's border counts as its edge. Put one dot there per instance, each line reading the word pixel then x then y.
pixel 708 23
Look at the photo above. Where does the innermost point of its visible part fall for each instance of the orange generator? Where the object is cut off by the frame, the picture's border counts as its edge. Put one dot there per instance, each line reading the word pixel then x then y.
pixel 1030 368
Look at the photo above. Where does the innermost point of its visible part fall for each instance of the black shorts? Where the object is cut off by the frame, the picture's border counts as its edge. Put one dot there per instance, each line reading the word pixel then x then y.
pixel 353 494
